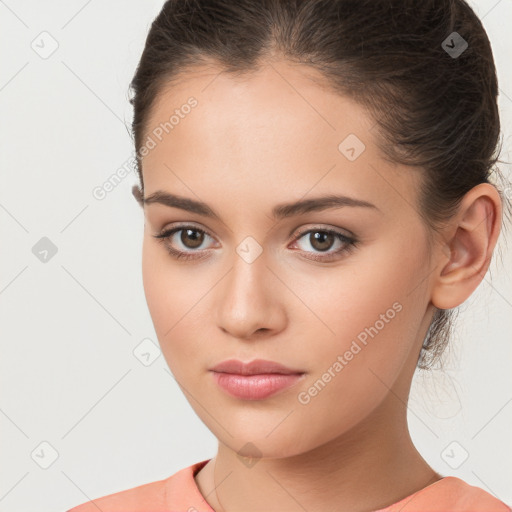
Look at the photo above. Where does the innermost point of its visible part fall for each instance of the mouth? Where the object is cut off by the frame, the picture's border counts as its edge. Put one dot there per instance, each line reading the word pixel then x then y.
pixel 256 386
pixel 255 367
pixel 255 380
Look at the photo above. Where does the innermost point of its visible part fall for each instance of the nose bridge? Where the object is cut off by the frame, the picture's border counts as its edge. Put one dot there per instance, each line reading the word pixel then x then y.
pixel 247 278
pixel 249 300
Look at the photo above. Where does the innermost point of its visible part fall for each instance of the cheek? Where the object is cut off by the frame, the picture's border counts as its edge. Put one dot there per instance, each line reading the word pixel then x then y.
pixel 165 295
pixel 370 320
pixel 173 296
pixel 378 289
pixel 156 286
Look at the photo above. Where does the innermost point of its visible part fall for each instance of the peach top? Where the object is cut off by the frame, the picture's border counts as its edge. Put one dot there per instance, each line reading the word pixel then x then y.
pixel 179 493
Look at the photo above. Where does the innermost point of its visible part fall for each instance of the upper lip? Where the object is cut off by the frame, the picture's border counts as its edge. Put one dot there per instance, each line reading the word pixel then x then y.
pixel 257 366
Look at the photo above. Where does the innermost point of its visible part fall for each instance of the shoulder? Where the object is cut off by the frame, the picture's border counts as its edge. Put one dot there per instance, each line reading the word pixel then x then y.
pixel 160 495
pixel 450 494
pixel 130 500
pixel 470 498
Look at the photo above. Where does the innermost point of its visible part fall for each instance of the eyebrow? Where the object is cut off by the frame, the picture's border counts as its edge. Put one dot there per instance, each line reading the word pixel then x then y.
pixel 280 211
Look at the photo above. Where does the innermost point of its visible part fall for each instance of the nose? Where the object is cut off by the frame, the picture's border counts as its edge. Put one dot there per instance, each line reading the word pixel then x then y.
pixel 248 302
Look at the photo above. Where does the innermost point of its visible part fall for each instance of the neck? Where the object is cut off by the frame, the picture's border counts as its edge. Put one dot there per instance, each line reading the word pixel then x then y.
pixel 373 465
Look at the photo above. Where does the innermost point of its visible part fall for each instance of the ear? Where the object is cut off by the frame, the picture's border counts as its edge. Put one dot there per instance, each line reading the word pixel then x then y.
pixel 138 194
pixel 469 241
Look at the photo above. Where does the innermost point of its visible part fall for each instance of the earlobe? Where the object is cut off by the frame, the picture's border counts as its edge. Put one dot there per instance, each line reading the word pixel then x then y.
pixel 470 241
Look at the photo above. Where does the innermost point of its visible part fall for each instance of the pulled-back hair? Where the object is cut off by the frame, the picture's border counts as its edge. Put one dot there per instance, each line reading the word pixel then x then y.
pixel 434 109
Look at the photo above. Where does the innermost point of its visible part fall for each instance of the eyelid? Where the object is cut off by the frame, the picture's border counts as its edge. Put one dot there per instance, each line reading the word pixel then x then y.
pixel 166 233
pixel 294 232
pixel 323 227
pixel 183 225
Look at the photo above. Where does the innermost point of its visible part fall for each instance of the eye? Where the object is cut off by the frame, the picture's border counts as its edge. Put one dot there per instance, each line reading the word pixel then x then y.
pixel 323 239
pixel 190 238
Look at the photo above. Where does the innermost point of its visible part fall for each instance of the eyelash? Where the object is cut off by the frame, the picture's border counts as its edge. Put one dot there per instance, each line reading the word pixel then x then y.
pixel 164 236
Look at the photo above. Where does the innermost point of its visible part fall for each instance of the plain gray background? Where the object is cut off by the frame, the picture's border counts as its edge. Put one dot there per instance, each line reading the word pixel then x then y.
pixel 81 415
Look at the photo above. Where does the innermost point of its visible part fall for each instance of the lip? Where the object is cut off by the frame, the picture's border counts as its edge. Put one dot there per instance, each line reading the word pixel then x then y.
pixel 255 380
pixel 255 367
pixel 255 387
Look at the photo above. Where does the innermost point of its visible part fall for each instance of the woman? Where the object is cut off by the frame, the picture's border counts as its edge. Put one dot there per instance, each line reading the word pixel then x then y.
pixel 314 177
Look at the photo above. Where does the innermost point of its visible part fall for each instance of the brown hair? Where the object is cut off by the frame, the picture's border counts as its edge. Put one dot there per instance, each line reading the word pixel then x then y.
pixel 434 109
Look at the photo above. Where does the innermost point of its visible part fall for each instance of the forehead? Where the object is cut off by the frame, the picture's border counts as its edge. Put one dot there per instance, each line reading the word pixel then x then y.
pixel 278 133
pixel 281 102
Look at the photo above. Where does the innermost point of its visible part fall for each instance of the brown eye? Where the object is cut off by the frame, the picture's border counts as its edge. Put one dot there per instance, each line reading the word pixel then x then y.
pixel 324 241
pixel 184 242
pixel 192 238
pixel 321 240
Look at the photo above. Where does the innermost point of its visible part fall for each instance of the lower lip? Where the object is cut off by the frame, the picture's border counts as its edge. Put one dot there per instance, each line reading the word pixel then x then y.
pixel 255 387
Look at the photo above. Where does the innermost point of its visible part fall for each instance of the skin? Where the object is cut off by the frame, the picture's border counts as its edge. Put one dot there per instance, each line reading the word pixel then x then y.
pixel 252 143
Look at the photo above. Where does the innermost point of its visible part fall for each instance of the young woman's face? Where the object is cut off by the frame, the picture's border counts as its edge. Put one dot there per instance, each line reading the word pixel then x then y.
pixel 287 288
